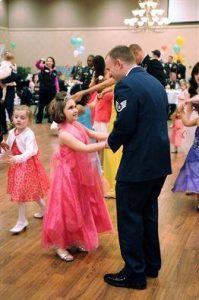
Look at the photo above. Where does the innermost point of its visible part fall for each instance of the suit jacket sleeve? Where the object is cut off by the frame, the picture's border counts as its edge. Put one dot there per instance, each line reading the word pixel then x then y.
pixel 126 105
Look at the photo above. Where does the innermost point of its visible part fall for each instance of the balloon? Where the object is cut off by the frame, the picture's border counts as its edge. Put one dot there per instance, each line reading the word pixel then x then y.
pixel 79 41
pixel 176 48
pixel 179 40
pixel 76 41
pixel 164 47
pixel 12 45
pixel 75 53
pixel 81 49
pixel 73 41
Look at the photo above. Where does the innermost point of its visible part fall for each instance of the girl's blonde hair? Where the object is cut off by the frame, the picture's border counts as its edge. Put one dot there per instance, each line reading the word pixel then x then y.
pixel 8 56
pixel 183 81
pixel 26 109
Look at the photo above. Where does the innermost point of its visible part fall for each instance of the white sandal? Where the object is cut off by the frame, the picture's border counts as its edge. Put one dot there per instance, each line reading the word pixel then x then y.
pixel 38 215
pixel 81 249
pixel 64 255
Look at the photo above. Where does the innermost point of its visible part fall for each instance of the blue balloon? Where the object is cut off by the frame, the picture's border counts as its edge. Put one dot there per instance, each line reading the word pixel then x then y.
pixel 176 48
pixel 79 41
pixel 73 41
pixel 82 48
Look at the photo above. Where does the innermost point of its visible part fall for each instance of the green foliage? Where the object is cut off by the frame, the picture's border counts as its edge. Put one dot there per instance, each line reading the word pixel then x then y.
pixel 23 72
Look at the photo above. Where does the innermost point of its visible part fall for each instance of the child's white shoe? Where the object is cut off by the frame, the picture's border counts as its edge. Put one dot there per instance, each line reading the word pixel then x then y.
pixel 38 215
pixel 19 227
pixel 64 255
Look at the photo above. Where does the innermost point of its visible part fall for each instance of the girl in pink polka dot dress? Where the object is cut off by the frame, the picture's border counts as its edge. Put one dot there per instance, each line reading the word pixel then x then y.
pixel 27 179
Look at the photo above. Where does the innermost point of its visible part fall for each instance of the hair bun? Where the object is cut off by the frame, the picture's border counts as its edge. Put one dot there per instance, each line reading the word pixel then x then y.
pixel 61 96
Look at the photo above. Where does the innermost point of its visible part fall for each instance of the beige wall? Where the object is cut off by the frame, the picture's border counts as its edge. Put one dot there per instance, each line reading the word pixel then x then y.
pixel 70 13
pixel 31 45
pixel 4 34
pixel 44 27
pixel 3 14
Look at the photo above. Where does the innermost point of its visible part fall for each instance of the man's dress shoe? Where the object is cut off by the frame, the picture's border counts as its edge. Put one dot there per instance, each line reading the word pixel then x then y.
pixel 151 273
pixel 121 280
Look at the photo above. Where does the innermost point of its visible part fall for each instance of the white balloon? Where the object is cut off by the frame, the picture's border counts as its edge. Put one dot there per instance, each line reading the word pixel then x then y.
pixel 75 53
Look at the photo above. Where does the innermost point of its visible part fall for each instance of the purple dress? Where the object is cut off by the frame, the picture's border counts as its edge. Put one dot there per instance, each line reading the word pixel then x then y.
pixel 188 178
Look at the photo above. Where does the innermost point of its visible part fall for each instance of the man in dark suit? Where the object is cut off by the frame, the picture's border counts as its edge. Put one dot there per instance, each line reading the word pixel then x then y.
pixel 87 72
pixel 181 70
pixel 141 128
pixel 170 66
pixel 155 67
pixel 140 58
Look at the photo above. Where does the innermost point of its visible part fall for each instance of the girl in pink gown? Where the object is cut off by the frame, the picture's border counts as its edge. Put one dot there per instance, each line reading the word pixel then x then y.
pixel 76 211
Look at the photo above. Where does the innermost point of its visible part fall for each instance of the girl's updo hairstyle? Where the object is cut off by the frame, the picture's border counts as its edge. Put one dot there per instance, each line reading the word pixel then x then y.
pixel 8 56
pixel 56 109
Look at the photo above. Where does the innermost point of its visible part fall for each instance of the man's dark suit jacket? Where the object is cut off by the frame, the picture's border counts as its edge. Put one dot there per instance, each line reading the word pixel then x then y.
pixel 181 71
pixel 145 61
pixel 141 128
pixel 155 68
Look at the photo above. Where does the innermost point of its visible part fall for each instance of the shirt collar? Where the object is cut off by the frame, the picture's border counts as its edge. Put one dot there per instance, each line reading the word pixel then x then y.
pixel 133 67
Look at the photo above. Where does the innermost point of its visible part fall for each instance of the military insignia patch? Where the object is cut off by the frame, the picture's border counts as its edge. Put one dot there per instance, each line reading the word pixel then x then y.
pixel 120 106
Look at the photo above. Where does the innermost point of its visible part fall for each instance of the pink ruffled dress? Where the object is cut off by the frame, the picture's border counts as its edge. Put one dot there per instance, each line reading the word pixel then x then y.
pixel 177 133
pixel 76 211
pixel 27 181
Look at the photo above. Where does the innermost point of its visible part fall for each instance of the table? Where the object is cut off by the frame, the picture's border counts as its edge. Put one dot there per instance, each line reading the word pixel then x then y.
pixel 172 96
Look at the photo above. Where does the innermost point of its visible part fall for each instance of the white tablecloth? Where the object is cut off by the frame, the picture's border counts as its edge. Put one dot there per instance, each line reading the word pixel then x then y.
pixel 173 96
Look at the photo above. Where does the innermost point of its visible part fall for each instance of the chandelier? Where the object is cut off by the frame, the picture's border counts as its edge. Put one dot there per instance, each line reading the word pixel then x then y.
pixel 147 16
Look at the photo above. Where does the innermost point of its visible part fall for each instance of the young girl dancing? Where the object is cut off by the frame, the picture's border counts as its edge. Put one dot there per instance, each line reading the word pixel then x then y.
pixel 27 180
pixel 76 211
pixel 176 131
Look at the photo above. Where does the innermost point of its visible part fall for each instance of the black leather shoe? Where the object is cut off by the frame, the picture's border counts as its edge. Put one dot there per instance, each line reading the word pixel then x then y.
pixel 152 273
pixel 120 280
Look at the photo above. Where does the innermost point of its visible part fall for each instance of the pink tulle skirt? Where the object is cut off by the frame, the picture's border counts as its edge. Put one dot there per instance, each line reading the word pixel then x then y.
pixel 76 211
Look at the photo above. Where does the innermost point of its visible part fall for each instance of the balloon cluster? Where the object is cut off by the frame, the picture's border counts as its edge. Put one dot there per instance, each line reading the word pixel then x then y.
pixel 77 42
pixel 178 47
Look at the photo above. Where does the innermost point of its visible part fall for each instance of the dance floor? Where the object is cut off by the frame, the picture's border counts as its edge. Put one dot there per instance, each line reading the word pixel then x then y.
pixel 29 272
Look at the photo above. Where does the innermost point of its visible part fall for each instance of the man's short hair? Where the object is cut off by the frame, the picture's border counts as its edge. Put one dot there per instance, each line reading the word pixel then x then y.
pixel 122 52
pixel 135 48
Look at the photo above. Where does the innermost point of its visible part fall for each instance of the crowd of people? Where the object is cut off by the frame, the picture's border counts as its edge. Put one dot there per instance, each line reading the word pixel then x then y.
pixel 115 103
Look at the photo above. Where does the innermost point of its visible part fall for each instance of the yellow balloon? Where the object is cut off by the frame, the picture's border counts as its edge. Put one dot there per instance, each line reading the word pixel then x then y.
pixel 180 57
pixel 179 40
